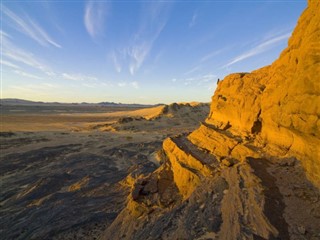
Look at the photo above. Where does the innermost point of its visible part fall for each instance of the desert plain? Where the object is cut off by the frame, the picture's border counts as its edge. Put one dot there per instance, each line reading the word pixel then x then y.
pixel 65 169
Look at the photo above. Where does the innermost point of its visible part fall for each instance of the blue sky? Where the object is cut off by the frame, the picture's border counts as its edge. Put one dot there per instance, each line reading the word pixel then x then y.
pixel 136 51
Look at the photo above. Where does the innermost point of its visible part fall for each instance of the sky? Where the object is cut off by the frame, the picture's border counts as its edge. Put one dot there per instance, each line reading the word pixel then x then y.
pixel 136 51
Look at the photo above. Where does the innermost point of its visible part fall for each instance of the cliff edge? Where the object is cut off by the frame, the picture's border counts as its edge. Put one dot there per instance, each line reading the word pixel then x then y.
pixel 279 106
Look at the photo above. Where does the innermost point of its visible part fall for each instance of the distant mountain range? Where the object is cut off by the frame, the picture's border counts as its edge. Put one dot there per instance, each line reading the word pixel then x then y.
pixel 19 102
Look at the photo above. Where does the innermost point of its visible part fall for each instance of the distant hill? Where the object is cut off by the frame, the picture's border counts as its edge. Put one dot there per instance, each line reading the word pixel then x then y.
pixel 16 101
pixel 22 102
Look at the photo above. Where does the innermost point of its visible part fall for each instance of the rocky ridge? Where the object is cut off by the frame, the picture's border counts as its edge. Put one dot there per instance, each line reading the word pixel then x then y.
pixel 248 169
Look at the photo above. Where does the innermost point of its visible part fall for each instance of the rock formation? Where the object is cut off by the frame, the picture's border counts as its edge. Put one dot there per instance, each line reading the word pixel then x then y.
pixel 239 175
pixel 279 105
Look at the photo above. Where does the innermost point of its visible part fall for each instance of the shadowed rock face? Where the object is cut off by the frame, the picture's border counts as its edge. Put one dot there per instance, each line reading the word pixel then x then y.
pixel 256 159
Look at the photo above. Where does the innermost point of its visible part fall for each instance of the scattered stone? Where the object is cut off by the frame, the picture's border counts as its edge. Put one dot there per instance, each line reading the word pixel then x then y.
pixel 136 192
pixel 302 230
pixel 316 212
pixel 227 162
pixel 7 134
pixel 287 194
pixel 151 186
pixel 287 162
pixel 215 196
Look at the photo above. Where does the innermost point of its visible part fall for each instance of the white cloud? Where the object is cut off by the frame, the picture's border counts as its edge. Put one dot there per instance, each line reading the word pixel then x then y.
pixel 44 35
pixel 14 53
pixel 122 84
pixel 106 84
pixel 25 74
pixel 173 79
pixel 34 87
pixel 89 85
pixel 4 34
pixel 30 28
pixel 154 20
pixel 9 64
pixel 49 85
pixel 50 73
pixel 262 47
pixel 193 20
pixel 212 54
pixel 192 70
pixel 200 80
pixel 94 17
pixel 208 78
pixel 138 53
pixel 116 62
pixel 212 87
pixel 135 85
pixel 78 77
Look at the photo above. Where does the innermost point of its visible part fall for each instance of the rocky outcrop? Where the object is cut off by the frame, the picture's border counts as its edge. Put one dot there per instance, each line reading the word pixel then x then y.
pixel 185 116
pixel 229 178
pixel 279 105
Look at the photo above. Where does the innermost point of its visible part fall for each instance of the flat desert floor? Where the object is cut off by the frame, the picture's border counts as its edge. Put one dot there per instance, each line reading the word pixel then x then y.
pixel 66 174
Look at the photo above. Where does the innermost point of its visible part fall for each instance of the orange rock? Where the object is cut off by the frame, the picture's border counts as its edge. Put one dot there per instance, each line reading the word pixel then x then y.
pixel 280 102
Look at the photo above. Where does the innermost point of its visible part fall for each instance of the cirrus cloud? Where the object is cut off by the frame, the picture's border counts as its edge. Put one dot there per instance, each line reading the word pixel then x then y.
pixel 94 17
pixel 30 28
pixel 78 77
pixel 262 47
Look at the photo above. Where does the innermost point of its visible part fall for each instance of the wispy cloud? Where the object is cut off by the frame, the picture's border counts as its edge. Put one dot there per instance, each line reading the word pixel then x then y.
pixel 155 15
pixel 138 53
pixel 193 70
pixel 212 54
pixel 133 84
pixel 30 28
pixel 122 84
pixel 200 79
pixel 9 64
pixel 4 34
pixel 78 77
pixel 116 62
pixel 35 87
pixel 25 74
pixel 193 20
pixel 262 47
pixel 153 22
pixel 94 17
pixel 15 54
pixel 92 85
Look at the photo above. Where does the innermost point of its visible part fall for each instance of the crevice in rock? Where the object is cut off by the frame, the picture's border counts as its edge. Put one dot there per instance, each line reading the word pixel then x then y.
pixel 231 149
pixel 274 204
pixel 227 126
pixel 220 96
pixel 257 125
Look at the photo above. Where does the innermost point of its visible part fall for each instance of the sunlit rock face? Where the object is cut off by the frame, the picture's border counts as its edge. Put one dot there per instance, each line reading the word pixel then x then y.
pixel 278 106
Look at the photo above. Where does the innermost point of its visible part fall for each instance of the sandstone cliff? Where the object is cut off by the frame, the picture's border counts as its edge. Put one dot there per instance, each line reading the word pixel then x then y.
pixel 241 174
pixel 280 104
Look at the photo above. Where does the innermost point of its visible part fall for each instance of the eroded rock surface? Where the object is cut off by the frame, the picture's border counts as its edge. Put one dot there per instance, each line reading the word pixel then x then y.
pixel 278 106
